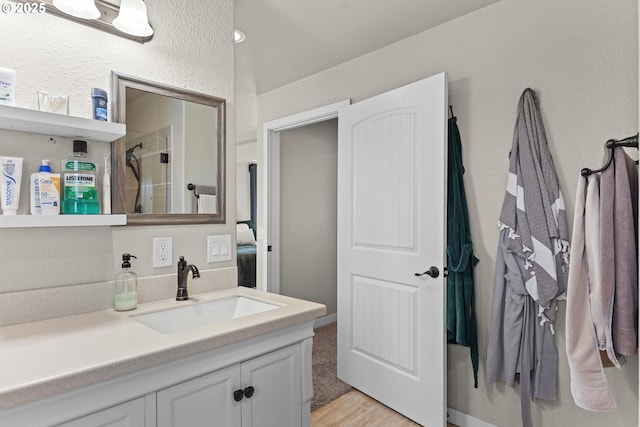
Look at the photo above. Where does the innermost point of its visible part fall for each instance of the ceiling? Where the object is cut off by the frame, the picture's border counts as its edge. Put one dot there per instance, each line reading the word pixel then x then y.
pixel 291 39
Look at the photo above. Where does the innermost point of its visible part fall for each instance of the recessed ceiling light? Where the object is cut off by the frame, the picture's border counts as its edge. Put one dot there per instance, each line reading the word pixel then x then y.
pixel 239 36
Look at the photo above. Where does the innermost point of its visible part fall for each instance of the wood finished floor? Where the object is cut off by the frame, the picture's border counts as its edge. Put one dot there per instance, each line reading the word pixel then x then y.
pixel 355 409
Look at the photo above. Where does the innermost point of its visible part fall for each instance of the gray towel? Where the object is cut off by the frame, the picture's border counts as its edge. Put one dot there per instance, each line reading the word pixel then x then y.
pixel 520 349
pixel 602 300
pixel 601 289
pixel 534 212
pixel 625 306
pixel 531 266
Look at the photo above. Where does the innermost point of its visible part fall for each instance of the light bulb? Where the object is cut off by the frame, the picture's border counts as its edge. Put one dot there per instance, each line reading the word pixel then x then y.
pixel 133 18
pixel 85 9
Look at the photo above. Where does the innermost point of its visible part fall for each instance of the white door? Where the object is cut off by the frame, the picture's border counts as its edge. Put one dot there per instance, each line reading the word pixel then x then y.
pixel 392 225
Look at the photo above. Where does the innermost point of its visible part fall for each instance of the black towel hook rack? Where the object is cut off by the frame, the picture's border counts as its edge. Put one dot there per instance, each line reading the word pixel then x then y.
pixel 631 141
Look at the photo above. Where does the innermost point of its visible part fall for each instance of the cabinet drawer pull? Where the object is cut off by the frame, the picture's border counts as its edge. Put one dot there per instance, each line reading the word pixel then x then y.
pixel 248 392
pixel 238 395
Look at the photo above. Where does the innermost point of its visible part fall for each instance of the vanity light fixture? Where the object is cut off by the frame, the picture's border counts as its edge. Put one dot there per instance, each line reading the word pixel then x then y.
pixel 108 13
pixel 85 9
pixel 239 36
pixel 133 18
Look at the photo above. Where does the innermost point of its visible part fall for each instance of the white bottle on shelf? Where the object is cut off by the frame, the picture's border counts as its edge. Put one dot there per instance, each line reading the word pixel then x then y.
pixel 7 87
pixel 34 193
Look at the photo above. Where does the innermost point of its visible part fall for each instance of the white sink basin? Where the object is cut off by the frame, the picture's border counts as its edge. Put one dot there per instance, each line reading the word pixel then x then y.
pixel 203 313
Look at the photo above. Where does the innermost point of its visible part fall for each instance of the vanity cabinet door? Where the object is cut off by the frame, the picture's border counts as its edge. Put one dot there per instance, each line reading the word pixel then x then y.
pixel 261 392
pixel 275 399
pixel 204 401
pixel 129 414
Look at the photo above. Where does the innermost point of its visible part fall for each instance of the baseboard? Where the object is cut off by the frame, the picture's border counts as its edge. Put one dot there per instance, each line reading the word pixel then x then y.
pixel 463 420
pixel 325 320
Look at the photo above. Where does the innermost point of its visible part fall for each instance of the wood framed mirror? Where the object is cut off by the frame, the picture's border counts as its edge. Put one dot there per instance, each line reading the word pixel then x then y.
pixel 170 167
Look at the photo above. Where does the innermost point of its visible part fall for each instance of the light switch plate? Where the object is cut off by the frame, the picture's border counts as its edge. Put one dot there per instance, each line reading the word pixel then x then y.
pixel 219 248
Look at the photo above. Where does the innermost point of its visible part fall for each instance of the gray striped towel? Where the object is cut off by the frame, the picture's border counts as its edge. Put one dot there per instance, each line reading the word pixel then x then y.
pixel 534 212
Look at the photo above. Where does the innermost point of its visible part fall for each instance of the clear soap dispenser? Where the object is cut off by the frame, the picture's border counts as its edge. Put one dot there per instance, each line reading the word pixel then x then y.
pixel 126 296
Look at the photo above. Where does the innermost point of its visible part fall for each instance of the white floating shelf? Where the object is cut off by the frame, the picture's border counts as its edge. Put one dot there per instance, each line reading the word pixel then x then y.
pixel 26 120
pixel 23 221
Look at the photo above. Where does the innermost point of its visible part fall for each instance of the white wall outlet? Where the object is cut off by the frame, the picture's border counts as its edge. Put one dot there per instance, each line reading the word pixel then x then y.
pixel 219 248
pixel 162 252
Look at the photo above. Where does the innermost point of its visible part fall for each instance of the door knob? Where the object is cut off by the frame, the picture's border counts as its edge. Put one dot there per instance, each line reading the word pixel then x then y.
pixel 248 392
pixel 432 271
pixel 238 395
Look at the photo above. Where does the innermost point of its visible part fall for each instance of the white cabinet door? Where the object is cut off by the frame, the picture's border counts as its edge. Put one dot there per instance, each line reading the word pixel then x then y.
pixel 129 414
pixel 270 395
pixel 277 397
pixel 204 401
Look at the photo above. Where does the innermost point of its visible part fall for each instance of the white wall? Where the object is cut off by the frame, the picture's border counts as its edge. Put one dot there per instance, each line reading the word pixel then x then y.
pixel 192 48
pixel 308 213
pixel 582 59
pixel 199 120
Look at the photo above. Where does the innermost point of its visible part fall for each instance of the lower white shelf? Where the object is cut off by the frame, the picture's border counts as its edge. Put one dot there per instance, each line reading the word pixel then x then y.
pixel 26 221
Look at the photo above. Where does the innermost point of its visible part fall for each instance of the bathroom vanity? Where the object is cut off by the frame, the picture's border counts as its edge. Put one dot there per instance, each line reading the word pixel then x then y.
pixel 248 367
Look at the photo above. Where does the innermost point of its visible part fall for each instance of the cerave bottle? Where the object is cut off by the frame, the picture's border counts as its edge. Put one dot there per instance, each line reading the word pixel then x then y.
pixel 80 193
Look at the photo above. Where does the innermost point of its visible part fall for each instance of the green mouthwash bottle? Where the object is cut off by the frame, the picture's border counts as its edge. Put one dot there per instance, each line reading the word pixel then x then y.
pixel 80 194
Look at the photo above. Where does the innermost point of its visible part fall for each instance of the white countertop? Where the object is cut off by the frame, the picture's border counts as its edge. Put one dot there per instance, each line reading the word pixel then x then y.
pixel 48 357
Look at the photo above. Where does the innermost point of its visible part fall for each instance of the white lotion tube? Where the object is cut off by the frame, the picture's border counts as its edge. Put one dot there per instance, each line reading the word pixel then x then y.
pixel 106 188
pixel 10 181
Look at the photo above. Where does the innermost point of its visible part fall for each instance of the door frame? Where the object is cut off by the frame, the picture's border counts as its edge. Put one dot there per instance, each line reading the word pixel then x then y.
pixel 270 265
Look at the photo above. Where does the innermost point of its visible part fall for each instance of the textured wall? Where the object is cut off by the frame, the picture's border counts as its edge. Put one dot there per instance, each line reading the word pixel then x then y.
pixel 582 59
pixel 192 48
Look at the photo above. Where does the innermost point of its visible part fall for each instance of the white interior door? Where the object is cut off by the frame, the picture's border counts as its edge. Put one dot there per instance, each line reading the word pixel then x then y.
pixel 392 225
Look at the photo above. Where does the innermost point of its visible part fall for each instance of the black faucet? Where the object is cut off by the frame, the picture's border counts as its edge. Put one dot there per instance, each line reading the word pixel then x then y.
pixel 183 274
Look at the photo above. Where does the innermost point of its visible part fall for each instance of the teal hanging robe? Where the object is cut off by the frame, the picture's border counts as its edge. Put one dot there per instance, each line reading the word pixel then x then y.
pixel 461 312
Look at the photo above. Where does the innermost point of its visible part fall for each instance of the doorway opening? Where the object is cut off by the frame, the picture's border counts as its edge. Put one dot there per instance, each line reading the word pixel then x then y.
pixel 270 265
pixel 308 214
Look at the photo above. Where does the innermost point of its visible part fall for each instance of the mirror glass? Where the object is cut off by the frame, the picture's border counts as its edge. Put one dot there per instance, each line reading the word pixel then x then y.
pixel 169 168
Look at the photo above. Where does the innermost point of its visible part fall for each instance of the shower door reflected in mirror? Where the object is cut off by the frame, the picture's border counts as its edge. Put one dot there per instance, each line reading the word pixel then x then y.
pixel 174 138
pixel 149 171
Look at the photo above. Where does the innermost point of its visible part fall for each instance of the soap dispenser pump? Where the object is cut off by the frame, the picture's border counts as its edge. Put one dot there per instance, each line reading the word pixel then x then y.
pixel 126 295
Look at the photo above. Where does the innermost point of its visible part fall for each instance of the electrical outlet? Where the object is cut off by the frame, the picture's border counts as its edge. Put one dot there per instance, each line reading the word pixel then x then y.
pixel 162 256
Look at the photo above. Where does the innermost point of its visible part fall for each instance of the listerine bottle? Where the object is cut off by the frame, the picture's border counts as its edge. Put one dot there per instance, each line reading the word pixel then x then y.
pixel 80 193
pixel 126 293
